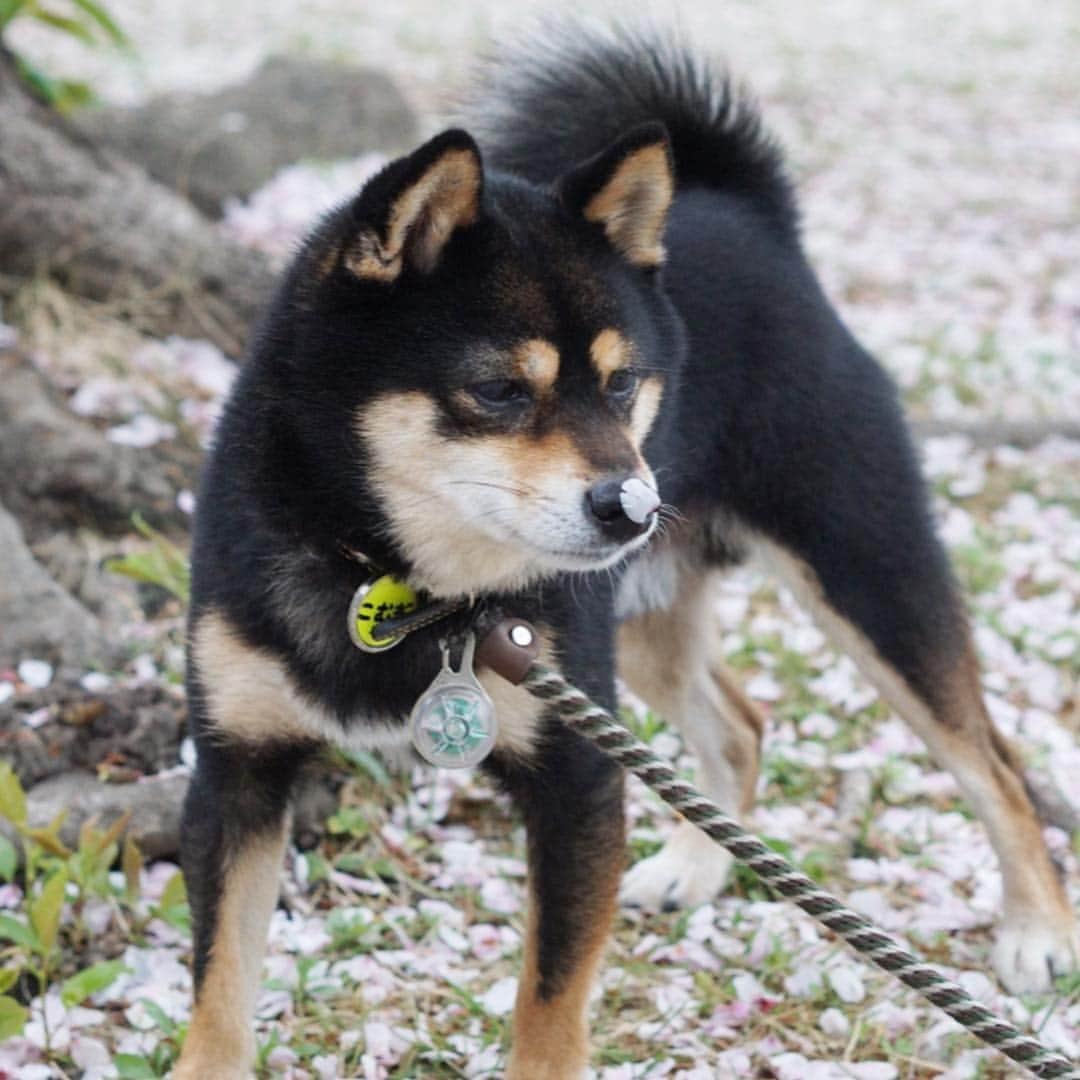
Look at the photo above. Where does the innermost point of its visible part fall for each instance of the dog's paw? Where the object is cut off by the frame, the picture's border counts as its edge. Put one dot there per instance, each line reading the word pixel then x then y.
pixel 1029 955
pixel 687 871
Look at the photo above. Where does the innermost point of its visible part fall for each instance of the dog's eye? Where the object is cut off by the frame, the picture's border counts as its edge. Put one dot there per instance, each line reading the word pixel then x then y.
pixel 621 383
pixel 499 393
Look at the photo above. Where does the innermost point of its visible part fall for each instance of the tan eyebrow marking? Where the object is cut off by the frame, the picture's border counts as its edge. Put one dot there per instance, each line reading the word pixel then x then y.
pixel 609 352
pixel 646 406
pixel 537 362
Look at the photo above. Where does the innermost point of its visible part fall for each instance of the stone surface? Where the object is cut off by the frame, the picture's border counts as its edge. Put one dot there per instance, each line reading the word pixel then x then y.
pixel 57 470
pixel 106 231
pixel 38 618
pixel 154 802
pixel 76 561
pixel 156 806
pixel 212 147
pixel 117 750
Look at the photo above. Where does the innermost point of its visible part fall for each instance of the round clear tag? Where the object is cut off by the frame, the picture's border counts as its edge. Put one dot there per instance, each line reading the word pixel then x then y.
pixel 453 724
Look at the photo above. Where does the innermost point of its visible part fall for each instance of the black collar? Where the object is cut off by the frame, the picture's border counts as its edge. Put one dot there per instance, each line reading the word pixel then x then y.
pixel 390 630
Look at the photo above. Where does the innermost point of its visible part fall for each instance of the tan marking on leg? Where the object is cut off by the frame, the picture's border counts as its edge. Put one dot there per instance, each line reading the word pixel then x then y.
pixel 746 727
pixel 966 743
pixel 220 1043
pixel 656 652
pixel 536 361
pixel 551 1035
pixel 662 651
pixel 671 659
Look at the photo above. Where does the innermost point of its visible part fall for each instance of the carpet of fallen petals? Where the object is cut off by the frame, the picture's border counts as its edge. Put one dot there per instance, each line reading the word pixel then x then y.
pixel 935 145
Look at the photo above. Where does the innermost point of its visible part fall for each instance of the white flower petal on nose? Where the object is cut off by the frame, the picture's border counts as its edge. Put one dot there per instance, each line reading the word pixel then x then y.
pixel 638 499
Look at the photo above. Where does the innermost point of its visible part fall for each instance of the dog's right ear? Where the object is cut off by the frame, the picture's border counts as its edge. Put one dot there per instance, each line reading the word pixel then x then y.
pixel 626 190
pixel 407 214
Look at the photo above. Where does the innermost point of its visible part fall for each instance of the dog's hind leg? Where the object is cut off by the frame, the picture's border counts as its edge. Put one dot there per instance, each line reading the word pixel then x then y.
pixel 571 796
pixel 670 658
pixel 902 622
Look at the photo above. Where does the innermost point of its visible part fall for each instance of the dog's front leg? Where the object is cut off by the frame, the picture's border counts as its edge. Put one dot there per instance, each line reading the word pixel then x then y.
pixel 572 800
pixel 234 833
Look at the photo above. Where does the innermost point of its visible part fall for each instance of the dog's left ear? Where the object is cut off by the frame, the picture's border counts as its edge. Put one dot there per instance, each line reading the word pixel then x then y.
pixel 627 190
pixel 407 214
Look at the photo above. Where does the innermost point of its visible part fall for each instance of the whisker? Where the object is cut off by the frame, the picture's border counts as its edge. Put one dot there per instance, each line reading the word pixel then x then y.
pixel 523 492
pixel 493 484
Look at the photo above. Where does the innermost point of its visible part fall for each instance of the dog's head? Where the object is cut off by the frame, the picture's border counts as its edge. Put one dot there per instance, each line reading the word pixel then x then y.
pixel 496 354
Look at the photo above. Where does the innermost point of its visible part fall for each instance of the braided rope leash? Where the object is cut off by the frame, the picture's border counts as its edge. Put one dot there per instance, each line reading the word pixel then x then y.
pixel 601 728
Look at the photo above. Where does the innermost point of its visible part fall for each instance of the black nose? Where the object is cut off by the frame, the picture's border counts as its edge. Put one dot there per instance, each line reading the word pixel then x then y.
pixel 623 506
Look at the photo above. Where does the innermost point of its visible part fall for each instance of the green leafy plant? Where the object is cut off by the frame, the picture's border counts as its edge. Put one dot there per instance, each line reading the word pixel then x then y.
pixel 162 564
pixel 32 948
pixel 85 20
pixel 173 906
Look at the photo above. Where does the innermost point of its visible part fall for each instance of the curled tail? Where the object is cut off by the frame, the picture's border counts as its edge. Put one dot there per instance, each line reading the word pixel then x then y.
pixel 565 92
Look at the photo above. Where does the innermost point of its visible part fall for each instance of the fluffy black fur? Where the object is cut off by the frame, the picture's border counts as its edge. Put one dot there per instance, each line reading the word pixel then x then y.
pixel 773 419
pixel 563 94
pixel 783 420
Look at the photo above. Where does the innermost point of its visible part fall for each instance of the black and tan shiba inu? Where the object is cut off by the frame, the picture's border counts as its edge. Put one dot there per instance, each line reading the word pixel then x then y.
pixel 460 373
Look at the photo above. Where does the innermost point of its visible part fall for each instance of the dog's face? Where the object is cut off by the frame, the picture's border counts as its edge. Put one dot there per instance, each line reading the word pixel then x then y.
pixel 498 353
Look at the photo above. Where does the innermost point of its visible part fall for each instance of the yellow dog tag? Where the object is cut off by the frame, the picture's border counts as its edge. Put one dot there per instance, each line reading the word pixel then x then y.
pixel 386 597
